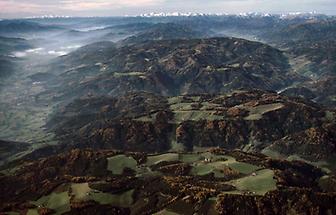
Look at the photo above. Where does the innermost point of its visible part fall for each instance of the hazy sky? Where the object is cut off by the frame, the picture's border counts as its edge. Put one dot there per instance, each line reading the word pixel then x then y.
pixel 23 8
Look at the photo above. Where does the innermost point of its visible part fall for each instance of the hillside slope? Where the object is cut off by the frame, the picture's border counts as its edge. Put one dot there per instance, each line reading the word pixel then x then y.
pixel 170 67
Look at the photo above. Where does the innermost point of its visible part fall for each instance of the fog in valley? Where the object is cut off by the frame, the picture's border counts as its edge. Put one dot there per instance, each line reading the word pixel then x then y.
pixel 26 100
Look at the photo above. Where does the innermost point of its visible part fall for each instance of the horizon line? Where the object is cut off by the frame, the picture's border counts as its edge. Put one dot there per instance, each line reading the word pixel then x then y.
pixel 172 14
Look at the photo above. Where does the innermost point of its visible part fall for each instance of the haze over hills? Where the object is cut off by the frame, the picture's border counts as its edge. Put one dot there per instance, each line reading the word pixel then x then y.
pixel 168 114
pixel 171 67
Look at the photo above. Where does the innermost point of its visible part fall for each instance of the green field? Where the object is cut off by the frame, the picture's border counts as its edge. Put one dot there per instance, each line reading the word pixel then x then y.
pixel 32 212
pixel 119 200
pixel 60 202
pixel 259 184
pixel 147 118
pixel 330 116
pixel 328 165
pixel 184 111
pixel 122 74
pixel 176 147
pixel 191 158
pixel 181 106
pixel 118 163
pixel 249 179
pixel 165 212
pixel 207 168
pixel 179 99
pixel 196 115
pixel 81 191
pixel 155 159
pixel 208 105
pixel 12 213
pixel 186 157
pixel 244 168
pixel 218 163
pixel 174 100
pixel 255 113
pixel 145 171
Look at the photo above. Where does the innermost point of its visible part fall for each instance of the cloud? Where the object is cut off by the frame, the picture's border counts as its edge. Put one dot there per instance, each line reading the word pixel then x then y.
pixel 20 8
pixel 48 5
pixel 81 5
pixel 9 6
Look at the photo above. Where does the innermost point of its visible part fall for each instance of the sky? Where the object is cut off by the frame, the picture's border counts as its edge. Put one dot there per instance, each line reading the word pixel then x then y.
pixel 27 8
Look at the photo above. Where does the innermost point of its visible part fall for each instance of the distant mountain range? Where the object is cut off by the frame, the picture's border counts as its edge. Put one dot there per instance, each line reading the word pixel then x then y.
pixel 22 26
pixel 289 15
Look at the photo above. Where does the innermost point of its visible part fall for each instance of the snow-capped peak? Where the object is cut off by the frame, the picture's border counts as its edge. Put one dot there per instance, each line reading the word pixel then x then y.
pixel 48 17
pixel 169 14
pixel 292 15
pixel 242 14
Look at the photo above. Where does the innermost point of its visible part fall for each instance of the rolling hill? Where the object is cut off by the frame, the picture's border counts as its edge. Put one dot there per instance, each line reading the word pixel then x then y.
pixel 170 67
